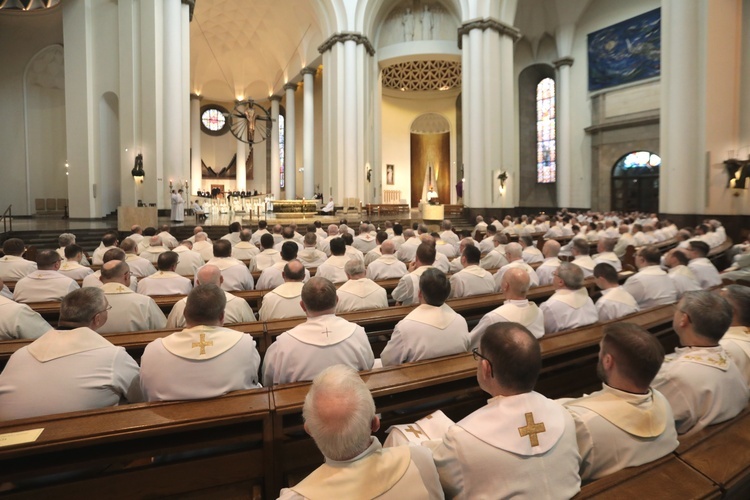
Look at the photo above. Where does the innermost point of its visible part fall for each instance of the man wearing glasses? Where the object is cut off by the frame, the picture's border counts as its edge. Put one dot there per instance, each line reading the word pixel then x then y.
pixel 520 444
pixel 71 368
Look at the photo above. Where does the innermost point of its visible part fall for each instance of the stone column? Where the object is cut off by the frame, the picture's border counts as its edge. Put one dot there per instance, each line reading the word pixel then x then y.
pixel 173 97
pixel 562 124
pixel 308 133
pixel 489 127
pixel 290 160
pixel 350 187
pixel 241 168
pixel 196 172
pixel 274 185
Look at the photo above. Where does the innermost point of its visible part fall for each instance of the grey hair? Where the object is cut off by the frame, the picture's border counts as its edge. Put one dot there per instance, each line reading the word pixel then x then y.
pixel 739 298
pixel 346 433
pixel 80 306
pixel 514 250
pixel 354 267
pixel 66 239
pixel 571 275
pixel 710 314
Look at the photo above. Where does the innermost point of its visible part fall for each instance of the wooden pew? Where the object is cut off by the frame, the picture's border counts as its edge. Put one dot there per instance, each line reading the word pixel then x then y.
pixel 721 452
pixel 667 478
pixel 114 448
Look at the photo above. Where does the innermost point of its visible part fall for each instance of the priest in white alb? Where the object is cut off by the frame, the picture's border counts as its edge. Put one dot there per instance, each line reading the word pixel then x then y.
pixel 131 312
pixel 514 254
pixel 236 274
pixel 737 339
pixel 13 266
pixel 515 309
pixel 333 268
pixel 407 290
pixel 46 283
pixel 284 300
pixel 322 341
pixel 471 279
pixel 204 360
pixel 615 302
pixel 431 330
pixel 165 281
pixel 570 306
pixel 358 292
pixel 682 277
pixel 72 267
pixel 650 286
pixel 626 423
pixel 387 266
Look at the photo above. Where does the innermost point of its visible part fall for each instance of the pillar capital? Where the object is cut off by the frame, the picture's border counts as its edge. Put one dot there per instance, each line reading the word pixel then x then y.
pixel 291 86
pixel 488 24
pixel 563 61
pixel 309 71
pixel 346 36
pixel 196 97
pixel 275 97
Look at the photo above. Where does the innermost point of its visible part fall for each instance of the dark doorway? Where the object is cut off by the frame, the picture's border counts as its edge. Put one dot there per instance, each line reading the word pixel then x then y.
pixel 635 182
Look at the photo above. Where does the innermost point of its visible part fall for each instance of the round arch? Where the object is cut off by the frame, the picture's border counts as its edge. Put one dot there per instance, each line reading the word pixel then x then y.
pixel 430 157
pixel 635 182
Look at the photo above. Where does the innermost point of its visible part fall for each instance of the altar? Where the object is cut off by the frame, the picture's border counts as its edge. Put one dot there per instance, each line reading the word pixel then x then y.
pixel 432 212
pixel 294 208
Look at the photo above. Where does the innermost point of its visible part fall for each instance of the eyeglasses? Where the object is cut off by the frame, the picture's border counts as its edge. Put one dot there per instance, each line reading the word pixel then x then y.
pixel 109 307
pixel 475 352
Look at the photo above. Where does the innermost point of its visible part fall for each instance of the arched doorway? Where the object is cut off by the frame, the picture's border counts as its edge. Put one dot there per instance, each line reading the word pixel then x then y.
pixel 430 158
pixel 635 182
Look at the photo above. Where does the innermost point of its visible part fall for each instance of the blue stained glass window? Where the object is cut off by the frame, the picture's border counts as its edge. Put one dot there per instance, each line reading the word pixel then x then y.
pixel 546 150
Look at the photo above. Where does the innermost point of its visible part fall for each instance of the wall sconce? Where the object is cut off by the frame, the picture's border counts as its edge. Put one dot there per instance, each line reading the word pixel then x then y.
pixel 137 172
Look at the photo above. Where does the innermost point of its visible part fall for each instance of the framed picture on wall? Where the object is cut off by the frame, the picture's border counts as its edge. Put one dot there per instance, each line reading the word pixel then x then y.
pixel 389 175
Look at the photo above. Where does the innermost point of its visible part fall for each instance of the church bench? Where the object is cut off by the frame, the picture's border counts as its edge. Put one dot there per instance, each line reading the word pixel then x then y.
pixel 667 478
pixel 114 448
pixel 721 452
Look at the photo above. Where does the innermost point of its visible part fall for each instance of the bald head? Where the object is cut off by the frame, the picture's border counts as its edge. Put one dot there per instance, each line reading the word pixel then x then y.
pixel 293 271
pixel 197 229
pixel 333 230
pixel 551 248
pixel 201 236
pixel 155 241
pixel 209 275
pixel 515 284
pixel 135 228
pixel 387 248
pixel 115 271
pixel 426 238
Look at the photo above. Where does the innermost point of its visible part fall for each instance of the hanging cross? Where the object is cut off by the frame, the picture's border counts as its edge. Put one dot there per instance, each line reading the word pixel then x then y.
pixel 532 429
pixel 414 431
pixel 326 332
pixel 203 344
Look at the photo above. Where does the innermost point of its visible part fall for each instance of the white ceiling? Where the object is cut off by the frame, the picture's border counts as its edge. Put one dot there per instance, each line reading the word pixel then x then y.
pixel 250 48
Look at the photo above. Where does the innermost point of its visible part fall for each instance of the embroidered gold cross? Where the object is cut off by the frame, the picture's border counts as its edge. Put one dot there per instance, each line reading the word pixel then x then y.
pixel 120 288
pixel 414 431
pixel 532 429
pixel 326 332
pixel 203 344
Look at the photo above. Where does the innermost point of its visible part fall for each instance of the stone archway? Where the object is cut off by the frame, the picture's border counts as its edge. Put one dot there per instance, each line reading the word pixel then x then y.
pixel 430 157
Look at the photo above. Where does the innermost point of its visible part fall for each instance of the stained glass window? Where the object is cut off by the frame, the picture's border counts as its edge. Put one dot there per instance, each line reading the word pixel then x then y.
pixel 546 152
pixel 636 164
pixel 213 119
pixel 281 150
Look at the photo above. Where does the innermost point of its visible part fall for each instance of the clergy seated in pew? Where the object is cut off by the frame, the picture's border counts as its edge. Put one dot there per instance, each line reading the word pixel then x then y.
pixel 129 311
pixel 607 255
pixel 205 359
pixel 310 256
pixel 551 262
pixel 501 449
pixel 684 280
pixel 471 279
pixel 237 310
pixel 272 276
pixel 736 341
pixel 570 306
pixel 407 290
pixel 339 414
pixel 284 300
pixel 139 266
pixel 615 302
pixel 516 308
pixel 19 321
pixel 323 340
pixel 71 368
pixel 46 283
pixel 245 250
pixel 236 274
pixel 626 423
pixel 358 292
pixel 495 258
pixel 111 254
pixel 650 286
pixel 387 266
pixel 431 330
pixel 165 281
pixel 700 380
pixel 189 261
pixel 703 269
pixel 514 255
pixel 72 267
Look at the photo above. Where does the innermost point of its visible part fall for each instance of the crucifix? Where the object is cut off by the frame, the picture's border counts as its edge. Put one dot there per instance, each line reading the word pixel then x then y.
pixel 532 429
pixel 326 332
pixel 203 344
pixel 120 288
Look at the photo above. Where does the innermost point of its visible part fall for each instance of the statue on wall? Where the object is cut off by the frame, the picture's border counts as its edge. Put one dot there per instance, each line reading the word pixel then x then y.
pixel 407 21
pixel 428 23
